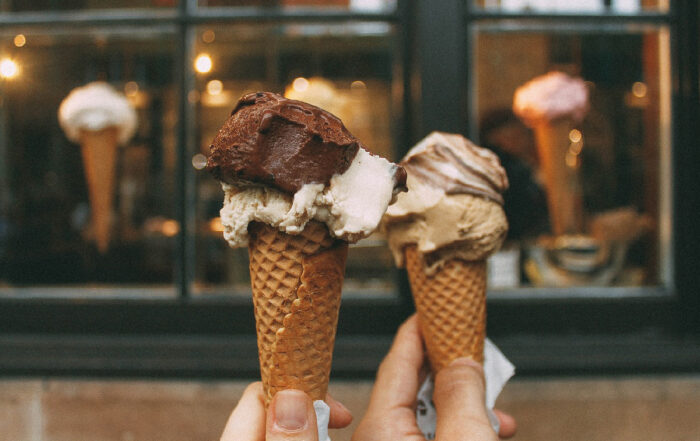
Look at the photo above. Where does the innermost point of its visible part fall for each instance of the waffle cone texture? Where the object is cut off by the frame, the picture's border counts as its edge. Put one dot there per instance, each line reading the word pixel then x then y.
pixel 296 282
pixel 451 307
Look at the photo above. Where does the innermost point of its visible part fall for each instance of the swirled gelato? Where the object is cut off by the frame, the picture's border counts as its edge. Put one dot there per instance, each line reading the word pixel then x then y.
pixel 453 207
pixel 550 97
pixel 285 162
pixel 94 107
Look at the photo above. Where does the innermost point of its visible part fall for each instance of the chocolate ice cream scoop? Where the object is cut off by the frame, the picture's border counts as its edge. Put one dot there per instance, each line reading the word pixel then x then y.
pixel 279 142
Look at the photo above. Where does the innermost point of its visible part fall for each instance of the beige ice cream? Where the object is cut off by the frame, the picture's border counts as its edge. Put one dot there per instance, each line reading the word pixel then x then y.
pixel 453 209
pixel 98 118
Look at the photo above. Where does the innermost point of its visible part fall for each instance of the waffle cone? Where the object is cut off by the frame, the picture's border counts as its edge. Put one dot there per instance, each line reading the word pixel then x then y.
pixel 561 180
pixel 451 307
pixel 296 282
pixel 99 151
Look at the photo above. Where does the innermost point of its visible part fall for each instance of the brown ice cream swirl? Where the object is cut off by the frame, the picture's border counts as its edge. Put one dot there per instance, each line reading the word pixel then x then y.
pixel 460 168
pixel 454 205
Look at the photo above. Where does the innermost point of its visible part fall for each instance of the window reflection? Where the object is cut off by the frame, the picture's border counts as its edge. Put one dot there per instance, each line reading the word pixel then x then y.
pixel 354 5
pixel 578 6
pixel 348 69
pixel 75 5
pixel 601 221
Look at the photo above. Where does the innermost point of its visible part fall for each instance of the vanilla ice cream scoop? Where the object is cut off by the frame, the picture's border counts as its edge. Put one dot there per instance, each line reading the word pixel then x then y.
pixel 285 162
pixel 453 207
pixel 550 97
pixel 94 107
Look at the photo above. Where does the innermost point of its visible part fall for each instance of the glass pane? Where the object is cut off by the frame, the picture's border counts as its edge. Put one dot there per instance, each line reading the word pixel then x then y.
pixel 589 198
pixel 569 6
pixel 348 69
pixel 74 5
pixel 353 5
pixel 85 202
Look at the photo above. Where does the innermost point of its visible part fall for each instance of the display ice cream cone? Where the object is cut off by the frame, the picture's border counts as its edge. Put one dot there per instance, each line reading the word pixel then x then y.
pixel 451 307
pixel 99 151
pixel 296 282
pixel 561 179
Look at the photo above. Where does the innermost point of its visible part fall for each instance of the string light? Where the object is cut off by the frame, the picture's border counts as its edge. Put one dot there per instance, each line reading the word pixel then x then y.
pixel 20 40
pixel 8 68
pixel 215 87
pixel 300 84
pixel 203 63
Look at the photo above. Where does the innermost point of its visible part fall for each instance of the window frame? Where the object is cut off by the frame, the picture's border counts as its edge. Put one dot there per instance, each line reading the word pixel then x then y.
pixel 543 331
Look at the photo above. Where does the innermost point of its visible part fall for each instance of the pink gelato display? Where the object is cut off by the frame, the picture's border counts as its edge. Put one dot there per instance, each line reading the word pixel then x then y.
pixel 100 119
pixel 552 105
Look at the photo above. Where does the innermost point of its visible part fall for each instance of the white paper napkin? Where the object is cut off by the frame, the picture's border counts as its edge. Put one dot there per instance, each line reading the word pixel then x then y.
pixel 323 414
pixel 497 370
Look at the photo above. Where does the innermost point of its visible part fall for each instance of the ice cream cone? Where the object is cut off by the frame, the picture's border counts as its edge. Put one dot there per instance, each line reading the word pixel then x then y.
pixel 451 307
pixel 99 150
pixel 561 179
pixel 296 282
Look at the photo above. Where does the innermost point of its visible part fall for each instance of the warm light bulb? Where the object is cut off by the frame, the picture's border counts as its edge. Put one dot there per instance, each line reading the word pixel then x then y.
pixel 20 40
pixel 131 88
pixel 639 89
pixel 199 161
pixel 8 68
pixel 216 225
pixel 575 135
pixel 358 85
pixel 300 84
pixel 203 63
pixel 208 36
pixel 170 228
pixel 215 87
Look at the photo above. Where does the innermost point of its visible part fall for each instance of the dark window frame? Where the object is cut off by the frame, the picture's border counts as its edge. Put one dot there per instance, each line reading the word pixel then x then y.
pixel 543 331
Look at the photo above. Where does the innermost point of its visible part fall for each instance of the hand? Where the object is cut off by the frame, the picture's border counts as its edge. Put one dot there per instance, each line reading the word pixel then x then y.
pixel 291 417
pixel 458 397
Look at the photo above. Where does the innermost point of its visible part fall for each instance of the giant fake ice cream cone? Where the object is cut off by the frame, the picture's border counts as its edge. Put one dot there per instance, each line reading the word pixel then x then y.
pixel 100 119
pixel 99 151
pixel 298 187
pixel 442 231
pixel 551 105
pixel 561 177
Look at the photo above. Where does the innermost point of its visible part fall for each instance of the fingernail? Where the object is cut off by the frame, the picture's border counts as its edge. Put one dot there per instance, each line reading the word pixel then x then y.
pixel 290 410
pixel 466 361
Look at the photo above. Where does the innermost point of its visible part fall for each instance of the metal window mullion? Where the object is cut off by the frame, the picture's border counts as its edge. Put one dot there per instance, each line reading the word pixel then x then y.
pixel 184 200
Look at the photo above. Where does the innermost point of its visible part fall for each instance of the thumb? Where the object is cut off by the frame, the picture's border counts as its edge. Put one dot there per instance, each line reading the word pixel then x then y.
pixel 291 417
pixel 459 398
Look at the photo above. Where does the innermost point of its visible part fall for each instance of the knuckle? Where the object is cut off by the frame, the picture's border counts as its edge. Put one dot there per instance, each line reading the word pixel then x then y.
pixel 459 375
